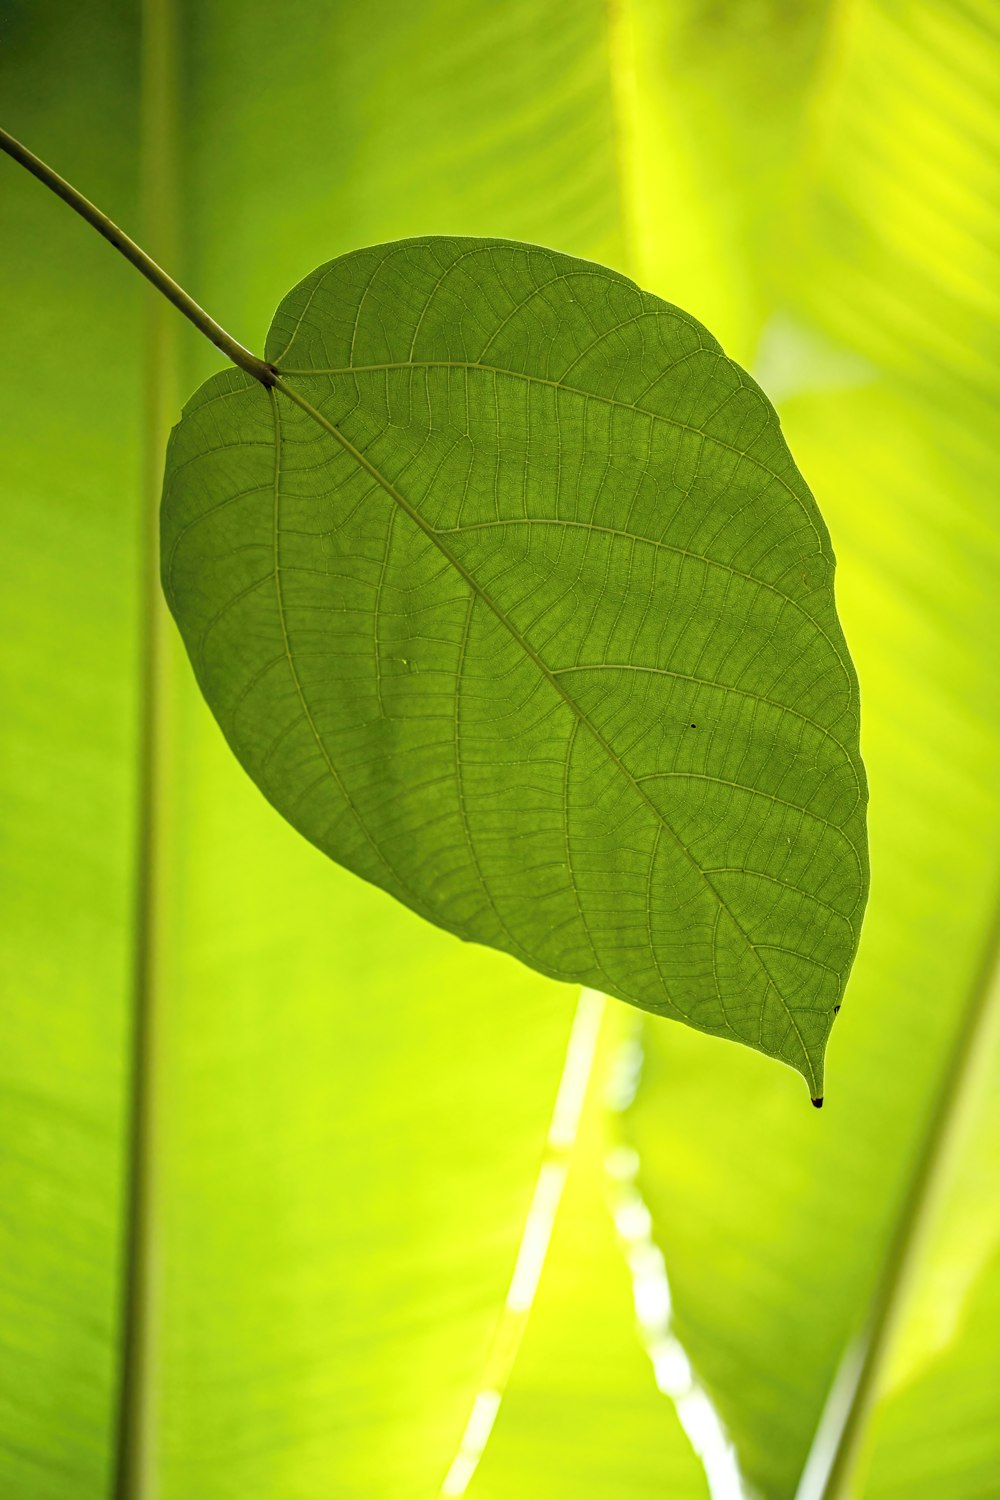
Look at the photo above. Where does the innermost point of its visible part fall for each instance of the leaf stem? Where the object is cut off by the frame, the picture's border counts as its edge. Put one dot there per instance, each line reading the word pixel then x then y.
pixel 251 363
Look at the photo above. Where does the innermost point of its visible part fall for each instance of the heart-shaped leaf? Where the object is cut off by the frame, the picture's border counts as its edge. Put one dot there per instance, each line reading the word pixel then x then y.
pixel 511 599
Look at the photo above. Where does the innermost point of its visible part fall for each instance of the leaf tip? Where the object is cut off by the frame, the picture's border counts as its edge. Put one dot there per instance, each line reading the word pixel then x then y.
pixel 817 1103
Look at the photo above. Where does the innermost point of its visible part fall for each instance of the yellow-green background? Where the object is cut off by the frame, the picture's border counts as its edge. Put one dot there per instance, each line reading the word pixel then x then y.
pixel 349 1108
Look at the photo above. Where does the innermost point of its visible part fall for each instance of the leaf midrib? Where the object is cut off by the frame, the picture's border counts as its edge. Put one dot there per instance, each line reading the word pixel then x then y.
pixel 435 537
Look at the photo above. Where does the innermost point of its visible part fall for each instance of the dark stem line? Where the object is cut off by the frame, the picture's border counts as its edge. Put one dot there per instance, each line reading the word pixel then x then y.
pixel 133 1417
pixel 832 1464
pixel 137 1414
pixel 251 363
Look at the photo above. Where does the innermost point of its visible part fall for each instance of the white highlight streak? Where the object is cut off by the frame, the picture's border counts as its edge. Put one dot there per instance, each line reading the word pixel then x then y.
pixel 535 1240
pixel 576 1070
pixel 830 1431
pixel 536 1237
pixel 651 1294
pixel 474 1440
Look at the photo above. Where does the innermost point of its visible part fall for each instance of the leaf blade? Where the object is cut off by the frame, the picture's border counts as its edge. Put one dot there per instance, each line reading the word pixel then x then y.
pixel 441 391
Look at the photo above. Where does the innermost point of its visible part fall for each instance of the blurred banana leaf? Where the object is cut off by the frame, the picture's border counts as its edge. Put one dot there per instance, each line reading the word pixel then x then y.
pixel 936 1429
pixel 348 1111
pixel 867 252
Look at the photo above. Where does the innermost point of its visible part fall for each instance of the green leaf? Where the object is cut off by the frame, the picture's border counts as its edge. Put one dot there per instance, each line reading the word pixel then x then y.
pixel 510 598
